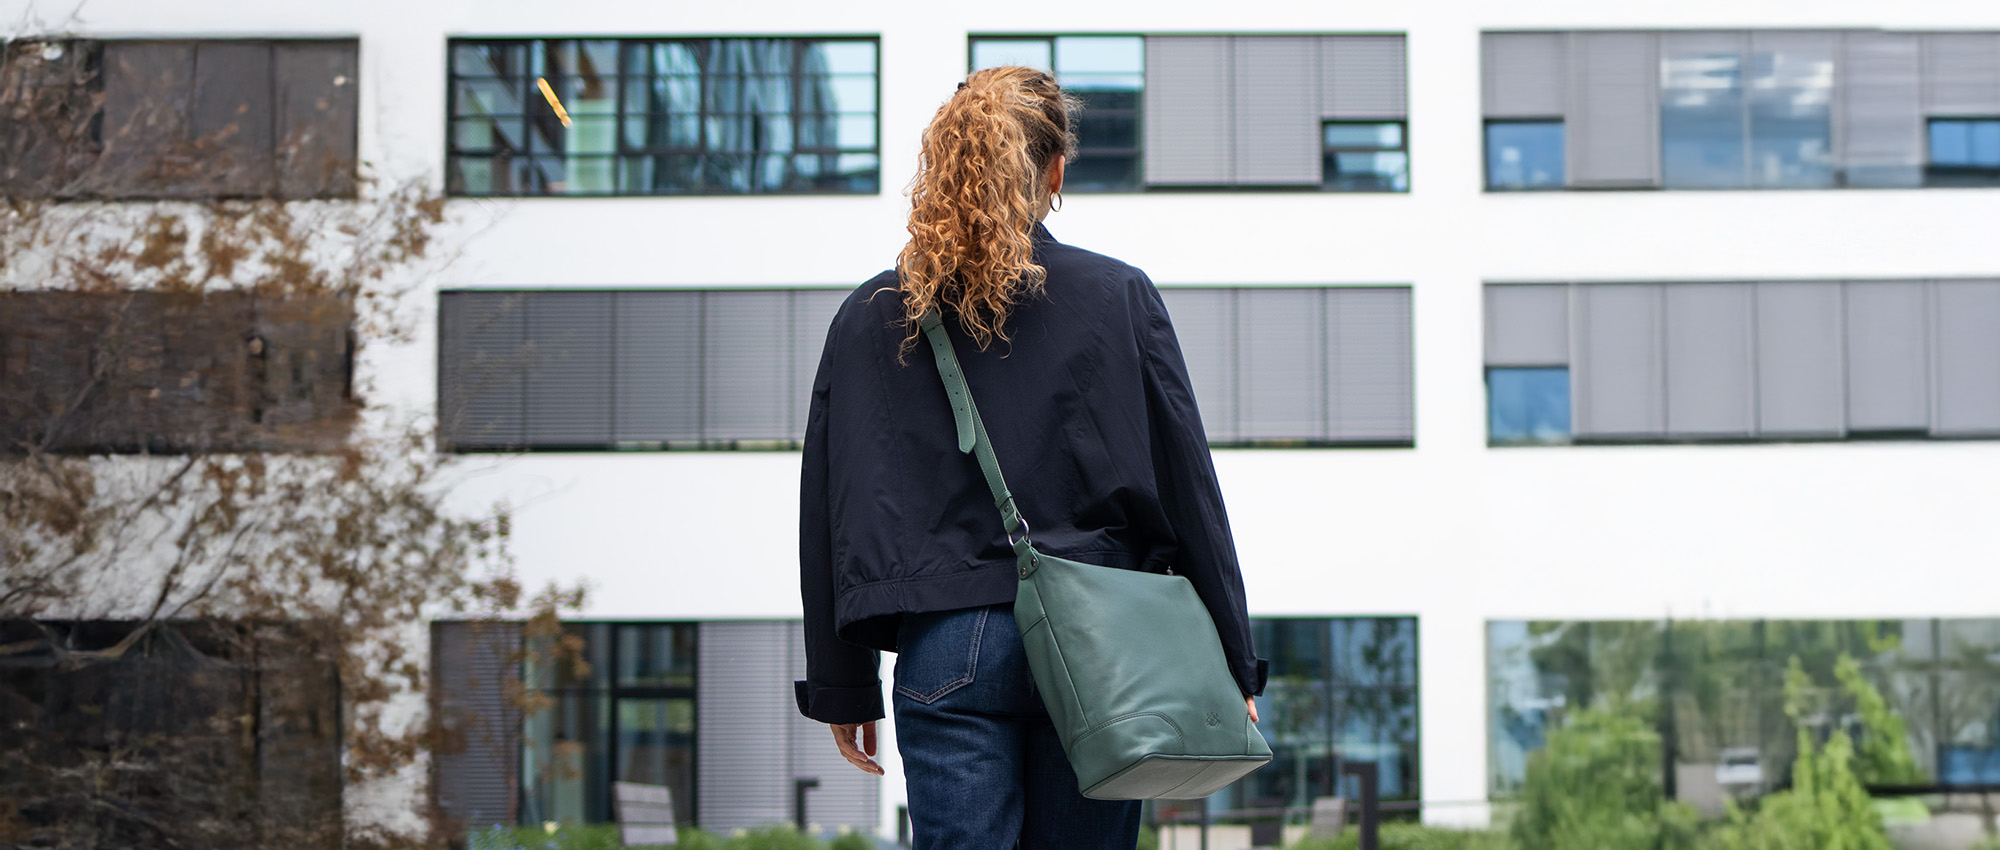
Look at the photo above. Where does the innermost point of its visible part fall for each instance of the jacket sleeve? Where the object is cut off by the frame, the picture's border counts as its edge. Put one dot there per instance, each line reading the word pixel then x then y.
pixel 1190 493
pixel 843 681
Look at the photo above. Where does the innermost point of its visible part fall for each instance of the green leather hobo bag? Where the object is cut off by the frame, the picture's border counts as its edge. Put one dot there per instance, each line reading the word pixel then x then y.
pixel 1127 662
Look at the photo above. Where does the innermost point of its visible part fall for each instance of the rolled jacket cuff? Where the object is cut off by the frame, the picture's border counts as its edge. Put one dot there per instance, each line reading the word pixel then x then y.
pixel 1253 683
pixel 828 704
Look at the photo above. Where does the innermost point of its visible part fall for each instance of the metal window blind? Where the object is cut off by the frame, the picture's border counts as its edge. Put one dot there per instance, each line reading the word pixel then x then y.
pixel 1613 112
pixel 471 666
pixel 147 86
pixel 1288 364
pixel 481 369
pixel 1189 123
pixel 231 116
pixel 568 347
pixel 1205 324
pixel 744 375
pixel 845 796
pixel 1708 357
pixel 1523 74
pixel 1282 364
pixel 744 706
pixel 1371 389
pixel 1967 346
pixel 642 368
pixel 1364 76
pixel 1879 134
pixel 1527 325
pixel 1618 371
pixel 1801 388
pixel 656 383
pixel 317 104
pixel 1888 345
pixel 1962 73
pixel 1277 128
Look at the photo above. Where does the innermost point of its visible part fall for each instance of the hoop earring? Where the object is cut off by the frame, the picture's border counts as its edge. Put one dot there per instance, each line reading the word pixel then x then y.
pixel 1057 206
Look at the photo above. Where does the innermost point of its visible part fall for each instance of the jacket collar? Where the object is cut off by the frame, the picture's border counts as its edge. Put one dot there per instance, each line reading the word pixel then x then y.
pixel 1040 234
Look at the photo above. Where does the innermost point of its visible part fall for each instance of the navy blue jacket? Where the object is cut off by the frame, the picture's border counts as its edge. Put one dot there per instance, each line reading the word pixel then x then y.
pixel 1095 425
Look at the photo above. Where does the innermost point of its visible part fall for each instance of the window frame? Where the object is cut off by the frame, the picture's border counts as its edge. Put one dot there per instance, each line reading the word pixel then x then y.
pixel 1569 397
pixel 620 156
pixel 1932 171
pixel 611 693
pixel 1403 135
pixel 1138 113
pixel 1486 154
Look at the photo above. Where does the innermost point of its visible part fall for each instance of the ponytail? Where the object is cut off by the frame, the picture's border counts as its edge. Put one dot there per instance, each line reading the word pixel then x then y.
pixel 975 198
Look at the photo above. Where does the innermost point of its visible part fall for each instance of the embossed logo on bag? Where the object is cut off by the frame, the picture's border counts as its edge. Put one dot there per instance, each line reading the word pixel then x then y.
pixel 1214 719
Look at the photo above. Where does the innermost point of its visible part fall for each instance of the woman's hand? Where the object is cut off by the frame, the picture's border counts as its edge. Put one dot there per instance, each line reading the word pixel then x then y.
pixel 863 756
pixel 1252 703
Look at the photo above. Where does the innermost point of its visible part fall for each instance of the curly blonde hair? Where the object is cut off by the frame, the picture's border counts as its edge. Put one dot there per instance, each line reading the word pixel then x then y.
pixel 976 195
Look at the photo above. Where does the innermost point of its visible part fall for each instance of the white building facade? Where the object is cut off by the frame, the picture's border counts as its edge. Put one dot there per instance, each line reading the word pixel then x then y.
pixel 1683 321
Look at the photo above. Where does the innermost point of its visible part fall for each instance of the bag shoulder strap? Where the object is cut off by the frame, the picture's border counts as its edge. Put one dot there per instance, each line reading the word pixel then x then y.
pixel 972 435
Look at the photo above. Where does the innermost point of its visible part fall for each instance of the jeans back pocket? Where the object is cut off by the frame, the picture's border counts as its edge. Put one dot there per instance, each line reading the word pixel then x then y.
pixel 938 652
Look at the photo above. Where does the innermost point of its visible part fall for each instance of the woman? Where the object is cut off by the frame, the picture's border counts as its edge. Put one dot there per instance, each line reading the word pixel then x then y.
pixel 1086 397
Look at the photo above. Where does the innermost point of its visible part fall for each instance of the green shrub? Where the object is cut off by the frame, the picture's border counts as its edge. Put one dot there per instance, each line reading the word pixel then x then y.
pixel 566 837
pixel 774 838
pixel 1826 808
pixel 1410 836
pixel 698 839
pixel 1149 838
pixel 1882 756
pixel 850 841
pixel 1596 786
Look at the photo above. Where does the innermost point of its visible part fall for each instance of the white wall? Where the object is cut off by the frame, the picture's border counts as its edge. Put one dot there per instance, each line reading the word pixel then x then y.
pixel 1451 531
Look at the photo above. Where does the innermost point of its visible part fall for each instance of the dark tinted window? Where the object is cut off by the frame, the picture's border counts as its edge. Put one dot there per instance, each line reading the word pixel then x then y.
pixel 1108 73
pixel 719 116
pixel 179 119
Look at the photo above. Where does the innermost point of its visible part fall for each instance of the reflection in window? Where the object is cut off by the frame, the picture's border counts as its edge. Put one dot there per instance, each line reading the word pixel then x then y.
pixel 1728 735
pixel 1340 691
pixel 1791 98
pixel 1761 119
pixel 1524 155
pixel 654 117
pixel 625 715
pixel 1109 74
pixel 656 746
pixel 1701 119
pixel 1964 152
pixel 1365 157
pixel 1527 406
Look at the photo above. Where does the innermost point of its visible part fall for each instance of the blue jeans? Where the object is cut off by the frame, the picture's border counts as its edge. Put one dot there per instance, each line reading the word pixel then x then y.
pixel 984 766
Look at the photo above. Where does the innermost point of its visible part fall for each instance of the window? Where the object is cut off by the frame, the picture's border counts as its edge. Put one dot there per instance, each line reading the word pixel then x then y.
pixel 1527 405
pixel 1366 157
pixel 1108 73
pixel 629 718
pixel 1964 152
pixel 1524 155
pixel 1240 112
pixel 180 119
pixel 1728 734
pixel 224 371
pixel 595 370
pixel 1299 366
pixel 1779 360
pixel 1743 109
pixel 718 116
pixel 1341 691
pixel 598 370
pixel 1746 112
